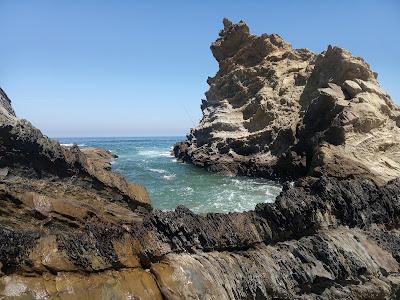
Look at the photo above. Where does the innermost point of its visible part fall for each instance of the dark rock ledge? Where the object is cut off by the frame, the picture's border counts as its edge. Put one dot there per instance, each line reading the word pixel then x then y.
pixel 327 239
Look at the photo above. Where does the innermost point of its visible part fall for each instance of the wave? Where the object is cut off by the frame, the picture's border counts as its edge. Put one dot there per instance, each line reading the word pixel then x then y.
pixel 159 171
pixel 70 145
pixel 154 153
pixel 166 176
pixel 166 154
pixel 169 177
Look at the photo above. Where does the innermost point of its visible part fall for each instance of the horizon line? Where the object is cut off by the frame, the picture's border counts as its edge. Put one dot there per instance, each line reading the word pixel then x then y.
pixel 117 136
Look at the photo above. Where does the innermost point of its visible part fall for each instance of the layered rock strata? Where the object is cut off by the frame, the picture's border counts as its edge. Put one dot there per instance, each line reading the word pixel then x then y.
pixel 279 112
pixel 321 240
pixel 29 162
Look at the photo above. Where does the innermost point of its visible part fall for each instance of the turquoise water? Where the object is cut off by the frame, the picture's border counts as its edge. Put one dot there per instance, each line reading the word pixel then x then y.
pixel 148 161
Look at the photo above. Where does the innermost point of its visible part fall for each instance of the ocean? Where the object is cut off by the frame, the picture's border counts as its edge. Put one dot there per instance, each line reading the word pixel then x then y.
pixel 148 161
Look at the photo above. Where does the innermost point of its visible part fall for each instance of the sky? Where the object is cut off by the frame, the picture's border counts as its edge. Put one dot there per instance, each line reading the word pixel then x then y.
pixel 139 68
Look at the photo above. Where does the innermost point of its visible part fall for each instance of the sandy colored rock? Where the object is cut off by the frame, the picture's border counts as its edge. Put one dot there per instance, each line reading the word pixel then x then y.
pixel 352 88
pixel 275 111
pixel 122 284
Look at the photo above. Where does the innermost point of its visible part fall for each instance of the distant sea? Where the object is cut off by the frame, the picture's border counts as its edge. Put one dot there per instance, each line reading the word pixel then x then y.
pixel 148 161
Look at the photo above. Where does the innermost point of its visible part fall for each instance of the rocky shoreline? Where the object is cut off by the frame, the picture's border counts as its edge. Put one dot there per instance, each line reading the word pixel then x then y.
pixel 283 113
pixel 73 229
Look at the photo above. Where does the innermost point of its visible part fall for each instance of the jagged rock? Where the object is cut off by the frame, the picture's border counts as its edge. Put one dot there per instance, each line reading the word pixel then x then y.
pixel 320 239
pixel 269 103
pixel 5 104
pixel 38 163
pixel 352 88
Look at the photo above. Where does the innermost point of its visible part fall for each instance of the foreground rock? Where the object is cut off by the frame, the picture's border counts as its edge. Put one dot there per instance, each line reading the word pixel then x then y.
pixel 72 229
pixel 279 112
pixel 327 239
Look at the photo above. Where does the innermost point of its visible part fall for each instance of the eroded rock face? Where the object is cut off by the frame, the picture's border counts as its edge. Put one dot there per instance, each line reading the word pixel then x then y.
pixel 5 104
pixel 279 112
pixel 62 219
pixel 29 161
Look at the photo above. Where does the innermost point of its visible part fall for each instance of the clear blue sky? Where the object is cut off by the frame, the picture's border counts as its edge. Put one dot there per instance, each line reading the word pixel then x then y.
pixel 136 68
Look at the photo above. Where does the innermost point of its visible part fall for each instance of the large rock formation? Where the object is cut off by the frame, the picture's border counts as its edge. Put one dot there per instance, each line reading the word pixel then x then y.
pixel 29 161
pixel 280 112
pixel 70 228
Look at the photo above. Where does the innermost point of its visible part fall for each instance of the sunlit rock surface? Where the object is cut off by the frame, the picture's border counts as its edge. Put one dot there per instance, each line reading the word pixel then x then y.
pixel 279 112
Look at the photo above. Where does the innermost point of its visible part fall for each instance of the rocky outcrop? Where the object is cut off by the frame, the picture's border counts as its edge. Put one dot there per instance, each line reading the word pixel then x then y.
pixel 279 112
pixel 30 161
pixel 321 239
pixel 49 196
pixel 5 104
pixel 70 228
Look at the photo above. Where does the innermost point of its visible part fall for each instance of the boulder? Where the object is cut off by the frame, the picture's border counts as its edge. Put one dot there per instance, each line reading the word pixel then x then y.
pixel 352 88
